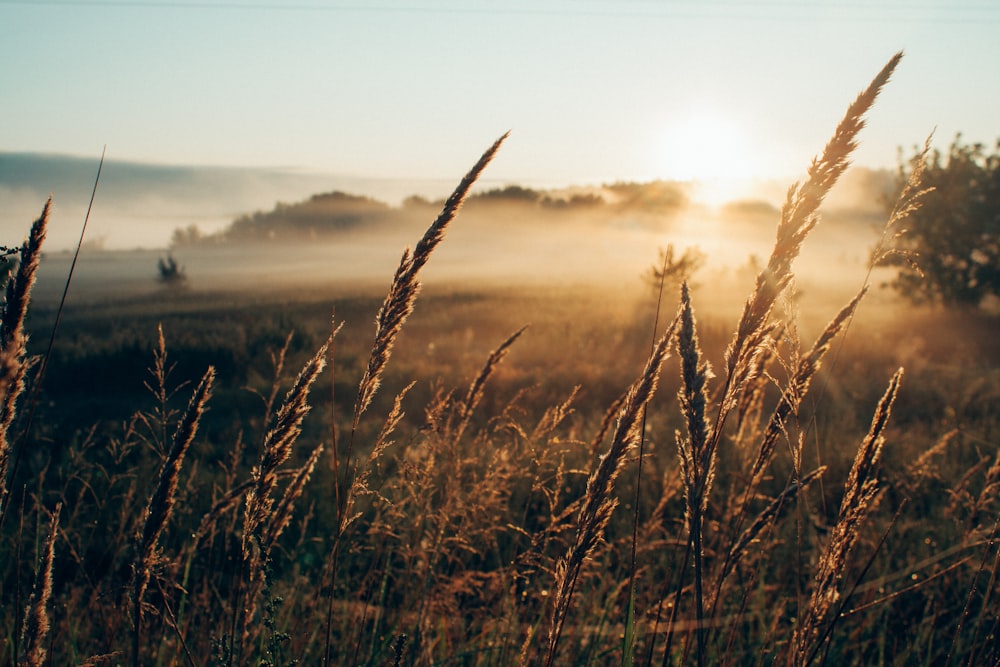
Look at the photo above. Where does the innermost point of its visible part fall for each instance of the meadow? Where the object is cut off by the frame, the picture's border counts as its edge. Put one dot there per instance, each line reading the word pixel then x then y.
pixel 503 473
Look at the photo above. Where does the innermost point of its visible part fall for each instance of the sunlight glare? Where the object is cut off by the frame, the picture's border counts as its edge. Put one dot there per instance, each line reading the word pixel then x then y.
pixel 710 149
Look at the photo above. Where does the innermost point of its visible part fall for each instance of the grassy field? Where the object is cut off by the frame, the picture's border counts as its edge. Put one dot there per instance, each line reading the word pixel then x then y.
pixel 487 496
pixel 236 477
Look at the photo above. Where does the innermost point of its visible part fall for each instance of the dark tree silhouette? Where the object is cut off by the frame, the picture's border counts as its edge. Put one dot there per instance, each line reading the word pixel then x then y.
pixel 671 270
pixel 170 270
pixel 950 252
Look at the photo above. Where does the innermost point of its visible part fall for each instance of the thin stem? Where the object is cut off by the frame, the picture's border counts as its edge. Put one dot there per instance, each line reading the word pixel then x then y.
pixel 630 636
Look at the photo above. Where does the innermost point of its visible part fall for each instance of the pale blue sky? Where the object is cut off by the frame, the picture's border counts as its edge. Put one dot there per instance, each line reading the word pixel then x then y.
pixel 593 91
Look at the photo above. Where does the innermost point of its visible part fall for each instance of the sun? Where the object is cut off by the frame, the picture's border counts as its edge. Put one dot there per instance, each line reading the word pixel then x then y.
pixel 709 149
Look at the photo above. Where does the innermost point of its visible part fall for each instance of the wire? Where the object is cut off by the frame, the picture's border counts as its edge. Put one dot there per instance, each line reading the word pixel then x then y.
pixel 775 10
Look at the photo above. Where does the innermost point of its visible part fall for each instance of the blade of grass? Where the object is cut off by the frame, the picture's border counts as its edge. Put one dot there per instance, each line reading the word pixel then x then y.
pixel 36 386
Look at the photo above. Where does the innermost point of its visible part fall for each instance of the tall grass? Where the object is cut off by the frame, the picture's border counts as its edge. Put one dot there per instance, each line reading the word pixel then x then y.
pixel 481 526
pixel 13 361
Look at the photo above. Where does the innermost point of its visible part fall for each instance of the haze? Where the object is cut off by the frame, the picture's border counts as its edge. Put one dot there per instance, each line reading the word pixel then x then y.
pixel 211 111
pixel 600 238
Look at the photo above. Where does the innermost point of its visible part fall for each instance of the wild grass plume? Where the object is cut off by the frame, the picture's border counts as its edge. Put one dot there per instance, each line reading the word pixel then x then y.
pixel 494 508
pixel 161 503
pixel 35 631
pixel 598 504
pixel 13 339
pixel 404 288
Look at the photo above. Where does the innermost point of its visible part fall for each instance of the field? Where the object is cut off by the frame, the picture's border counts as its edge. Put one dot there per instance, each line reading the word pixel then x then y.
pixel 323 473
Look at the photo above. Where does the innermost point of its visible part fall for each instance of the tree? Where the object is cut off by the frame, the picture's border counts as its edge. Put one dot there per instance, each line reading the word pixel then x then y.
pixel 170 271
pixel 671 271
pixel 950 252
pixel 184 237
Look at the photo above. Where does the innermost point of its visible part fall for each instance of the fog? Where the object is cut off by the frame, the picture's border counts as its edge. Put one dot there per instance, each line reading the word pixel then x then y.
pixel 140 205
pixel 479 251
pixel 244 238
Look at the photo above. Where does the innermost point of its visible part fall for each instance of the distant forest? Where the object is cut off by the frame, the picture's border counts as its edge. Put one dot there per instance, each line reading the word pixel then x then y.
pixel 332 213
pixel 652 203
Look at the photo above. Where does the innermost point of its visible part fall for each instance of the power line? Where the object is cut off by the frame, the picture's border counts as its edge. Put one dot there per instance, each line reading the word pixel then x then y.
pixel 759 11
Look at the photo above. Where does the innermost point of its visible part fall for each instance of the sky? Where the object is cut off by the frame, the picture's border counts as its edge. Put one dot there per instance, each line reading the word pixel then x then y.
pixel 593 91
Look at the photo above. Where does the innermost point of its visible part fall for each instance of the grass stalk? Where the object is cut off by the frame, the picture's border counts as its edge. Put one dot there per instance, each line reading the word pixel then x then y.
pixel 396 308
pixel 11 333
pixel 161 504
pixel 13 339
pixel 788 405
pixel 628 645
pixel 405 286
pixel 697 453
pixel 859 495
pixel 260 523
pixel 798 218
pixel 35 630
pixel 598 503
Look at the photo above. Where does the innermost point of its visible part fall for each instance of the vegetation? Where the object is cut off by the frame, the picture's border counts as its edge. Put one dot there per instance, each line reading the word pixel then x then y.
pixel 674 271
pixel 799 504
pixel 951 250
pixel 330 214
pixel 170 270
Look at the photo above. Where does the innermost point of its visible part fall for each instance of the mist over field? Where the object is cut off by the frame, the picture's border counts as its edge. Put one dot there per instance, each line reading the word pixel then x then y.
pixel 140 205
pixel 271 230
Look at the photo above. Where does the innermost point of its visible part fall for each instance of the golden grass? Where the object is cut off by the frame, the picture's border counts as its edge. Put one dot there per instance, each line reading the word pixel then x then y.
pixel 161 503
pixel 13 364
pixel 483 532
pixel 35 631
pixel 598 504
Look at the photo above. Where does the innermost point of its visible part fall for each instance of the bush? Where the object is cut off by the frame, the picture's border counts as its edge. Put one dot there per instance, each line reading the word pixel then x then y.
pixel 953 239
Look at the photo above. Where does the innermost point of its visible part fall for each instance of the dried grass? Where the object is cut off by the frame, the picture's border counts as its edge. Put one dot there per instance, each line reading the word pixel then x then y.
pixel 859 495
pixel 491 536
pixel 598 504
pixel 35 630
pixel 161 503
pixel 13 362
